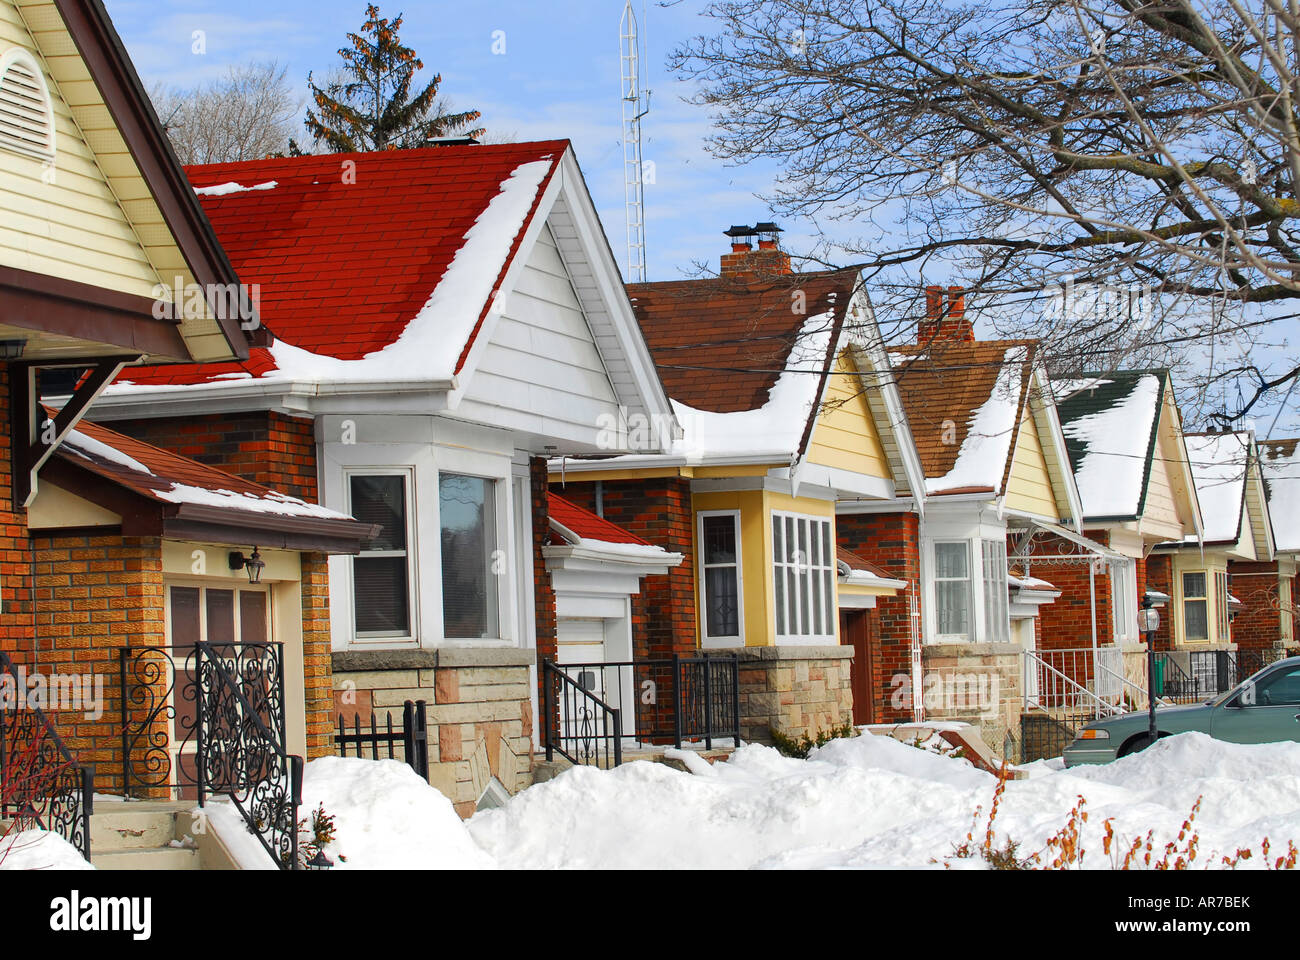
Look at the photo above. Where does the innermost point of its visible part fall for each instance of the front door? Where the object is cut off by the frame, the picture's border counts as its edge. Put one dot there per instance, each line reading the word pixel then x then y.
pixel 858 629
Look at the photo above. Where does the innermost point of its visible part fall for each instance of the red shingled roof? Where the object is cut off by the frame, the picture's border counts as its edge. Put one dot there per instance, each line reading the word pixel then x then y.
pixel 855 562
pixel 347 248
pixel 587 525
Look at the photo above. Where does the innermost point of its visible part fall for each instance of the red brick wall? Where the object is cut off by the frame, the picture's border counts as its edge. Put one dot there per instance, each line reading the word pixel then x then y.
pixel 316 655
pixel 543 594
pixel 891 541
pixel 657 509
pixel 15 554
pixel 1067 624
pixel 1258 623
pixel 262 446
pixel 1160 578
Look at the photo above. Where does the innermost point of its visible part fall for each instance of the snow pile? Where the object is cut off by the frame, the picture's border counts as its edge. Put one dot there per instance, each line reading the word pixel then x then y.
pixel 874 802
pixel 982 458
pixel 387 817
pixel 39 850
pixel 225 189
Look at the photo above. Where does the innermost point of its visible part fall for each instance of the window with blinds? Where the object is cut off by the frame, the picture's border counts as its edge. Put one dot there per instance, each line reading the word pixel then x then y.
pixel 1196 621
pixel 381 582
pixel 804 576
pixel 26 115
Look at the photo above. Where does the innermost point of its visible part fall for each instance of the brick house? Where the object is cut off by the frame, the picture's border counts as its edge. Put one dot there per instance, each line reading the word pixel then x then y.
pixel 996 472
pixel 444 319
pixel 780 384
pixel 1267 619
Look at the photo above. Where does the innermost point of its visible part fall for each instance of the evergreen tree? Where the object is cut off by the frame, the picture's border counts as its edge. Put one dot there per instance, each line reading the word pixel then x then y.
pixel 368 105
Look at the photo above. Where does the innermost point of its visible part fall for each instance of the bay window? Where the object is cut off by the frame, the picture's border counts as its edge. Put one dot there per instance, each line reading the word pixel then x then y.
pixel 471 562
pixel 1196 620
pixel 997 623
pixel 719 537
pixel 804 577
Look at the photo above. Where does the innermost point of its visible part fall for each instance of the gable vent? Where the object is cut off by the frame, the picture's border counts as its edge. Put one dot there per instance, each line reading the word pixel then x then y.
pixel 26 116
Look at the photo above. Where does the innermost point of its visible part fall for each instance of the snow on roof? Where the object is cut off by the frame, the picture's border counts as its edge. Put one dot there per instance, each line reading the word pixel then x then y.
pixel 1280 462
pixel 1109 425
pixel 1219 462
pixel 225 189
pixel 777 427
pixel 384 275
pixel 1029 583
pixel 982 458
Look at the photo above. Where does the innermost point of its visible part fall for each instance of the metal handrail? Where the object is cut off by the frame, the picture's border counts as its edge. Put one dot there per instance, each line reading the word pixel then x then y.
pixel 584 750
pixel 59 793
pixel 1101 708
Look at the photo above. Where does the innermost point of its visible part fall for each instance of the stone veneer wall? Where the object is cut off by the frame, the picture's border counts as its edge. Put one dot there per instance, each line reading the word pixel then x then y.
pixel 478 706
pixel 797 690
pixel 981 685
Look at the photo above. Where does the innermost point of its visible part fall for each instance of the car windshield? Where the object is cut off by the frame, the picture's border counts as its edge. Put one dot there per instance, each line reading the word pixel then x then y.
pixel 1225 697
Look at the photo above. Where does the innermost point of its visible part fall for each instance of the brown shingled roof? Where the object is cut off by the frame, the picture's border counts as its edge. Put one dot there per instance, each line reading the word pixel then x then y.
pixel 946 383
pixel 719 344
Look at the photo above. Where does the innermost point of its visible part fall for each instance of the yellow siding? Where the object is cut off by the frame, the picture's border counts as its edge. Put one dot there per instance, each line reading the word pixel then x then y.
pixel 97 222
pixel 1161 512
pixel 845 436
pixel 1029 486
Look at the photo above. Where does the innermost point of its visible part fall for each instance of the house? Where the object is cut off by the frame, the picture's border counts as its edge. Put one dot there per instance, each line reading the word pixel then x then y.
pixel 107 260
pixel 444 319
pixel 780 385
pixel 995 472
pixel 1130 459
pixel 1267 620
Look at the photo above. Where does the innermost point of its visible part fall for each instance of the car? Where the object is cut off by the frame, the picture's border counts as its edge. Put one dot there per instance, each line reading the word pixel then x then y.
pixel 1264 708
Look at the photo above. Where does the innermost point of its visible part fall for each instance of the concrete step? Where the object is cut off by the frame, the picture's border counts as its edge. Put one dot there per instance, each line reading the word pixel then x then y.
pixel 157 858
pixel 134 826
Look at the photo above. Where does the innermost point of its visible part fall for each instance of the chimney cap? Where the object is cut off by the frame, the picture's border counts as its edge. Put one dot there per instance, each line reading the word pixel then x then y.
pixel 739 230
pixel 451 141
pixel 767 226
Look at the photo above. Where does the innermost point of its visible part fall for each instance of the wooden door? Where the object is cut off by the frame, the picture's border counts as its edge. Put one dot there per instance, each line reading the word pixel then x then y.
pixel 858 629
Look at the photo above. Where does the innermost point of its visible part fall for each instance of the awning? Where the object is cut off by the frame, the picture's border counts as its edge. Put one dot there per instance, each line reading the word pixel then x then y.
pixel 1096 549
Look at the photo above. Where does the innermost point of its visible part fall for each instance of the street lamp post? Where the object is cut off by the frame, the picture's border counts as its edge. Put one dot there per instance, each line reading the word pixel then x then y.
pixel 1148 624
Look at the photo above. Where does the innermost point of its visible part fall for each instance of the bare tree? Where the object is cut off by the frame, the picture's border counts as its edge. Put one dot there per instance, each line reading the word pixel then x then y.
pixel 1116 152
pixel 248 114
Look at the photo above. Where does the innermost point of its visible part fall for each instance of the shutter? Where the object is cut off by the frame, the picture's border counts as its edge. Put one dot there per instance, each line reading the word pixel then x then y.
pixel 26 117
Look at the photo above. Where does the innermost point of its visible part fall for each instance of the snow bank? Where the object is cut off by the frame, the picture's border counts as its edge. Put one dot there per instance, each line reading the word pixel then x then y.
pixel 39 850
pixel 387 817
pixel 875 802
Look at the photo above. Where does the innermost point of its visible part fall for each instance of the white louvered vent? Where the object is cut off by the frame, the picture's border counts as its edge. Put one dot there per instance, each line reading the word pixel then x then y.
pixel 26 115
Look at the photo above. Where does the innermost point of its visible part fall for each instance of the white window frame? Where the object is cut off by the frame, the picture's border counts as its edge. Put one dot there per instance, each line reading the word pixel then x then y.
pixel 412 555
pixel 706 639
pixel 1222 618
pixel 1203 597
pixel 993 578
pixel 781 565
pixel 1123 600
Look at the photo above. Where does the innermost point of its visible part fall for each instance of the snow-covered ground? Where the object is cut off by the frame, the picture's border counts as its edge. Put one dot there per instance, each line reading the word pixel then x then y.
pixel 39 850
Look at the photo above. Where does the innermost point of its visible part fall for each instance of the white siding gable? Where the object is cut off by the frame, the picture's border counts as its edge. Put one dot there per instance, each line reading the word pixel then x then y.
pixel 542 371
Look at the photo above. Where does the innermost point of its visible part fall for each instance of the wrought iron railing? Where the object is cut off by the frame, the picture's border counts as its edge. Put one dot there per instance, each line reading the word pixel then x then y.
pixel 209 719
pixel 661 702
pixel 41 783
pixel 577 724
pixel 413 735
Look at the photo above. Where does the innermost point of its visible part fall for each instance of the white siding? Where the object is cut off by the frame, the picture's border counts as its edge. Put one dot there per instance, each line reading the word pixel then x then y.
pixel 542 360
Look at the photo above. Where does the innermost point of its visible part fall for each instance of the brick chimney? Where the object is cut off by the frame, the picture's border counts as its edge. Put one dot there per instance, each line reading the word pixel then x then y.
pixel 746 263
pixel 945 316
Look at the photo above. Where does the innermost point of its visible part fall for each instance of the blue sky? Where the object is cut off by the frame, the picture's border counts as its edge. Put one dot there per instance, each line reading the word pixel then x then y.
pixel 558 77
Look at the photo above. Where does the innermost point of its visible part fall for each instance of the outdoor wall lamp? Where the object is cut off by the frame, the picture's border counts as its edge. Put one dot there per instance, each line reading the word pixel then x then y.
pixel 253 565
pixel 319 861
pixel 12 349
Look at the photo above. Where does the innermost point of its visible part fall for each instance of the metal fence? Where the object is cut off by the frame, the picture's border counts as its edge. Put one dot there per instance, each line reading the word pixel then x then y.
pixel 371 742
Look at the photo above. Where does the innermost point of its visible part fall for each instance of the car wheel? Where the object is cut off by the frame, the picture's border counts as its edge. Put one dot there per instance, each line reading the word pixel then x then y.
pixel 1138 744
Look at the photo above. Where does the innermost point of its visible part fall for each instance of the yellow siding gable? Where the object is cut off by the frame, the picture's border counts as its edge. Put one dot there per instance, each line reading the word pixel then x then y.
pixel 87 217
pixel 845 436
pixel 1029 486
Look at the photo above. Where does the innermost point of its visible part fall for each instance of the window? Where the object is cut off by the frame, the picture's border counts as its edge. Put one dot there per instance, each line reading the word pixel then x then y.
pixel 1196 621
pixel 804 576
pixel 997 625
pixel 1124 601
pixel 1281 688
pixel 470 559
pixel 1222 617
pixel 952 589
pixel 719 535
pixel 381 581
pixel 26 117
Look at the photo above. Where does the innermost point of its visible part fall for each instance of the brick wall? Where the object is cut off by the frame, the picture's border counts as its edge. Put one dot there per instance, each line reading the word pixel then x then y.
pixel 1258 623
pixel 543 593
pixel 95 594
pixel 1160 578
pixel 316 655
pixel 1067 623
pixel 657 509
pixel 262 446
pixel 891 541
pixel 15 553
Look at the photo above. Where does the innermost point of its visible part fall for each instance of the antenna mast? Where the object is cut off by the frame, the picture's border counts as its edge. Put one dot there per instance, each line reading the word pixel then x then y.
pixel 635 106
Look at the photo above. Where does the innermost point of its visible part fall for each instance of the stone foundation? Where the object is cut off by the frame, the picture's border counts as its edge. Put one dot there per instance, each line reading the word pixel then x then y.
pixel 797 690
pixel 477 701
pixel 976 683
